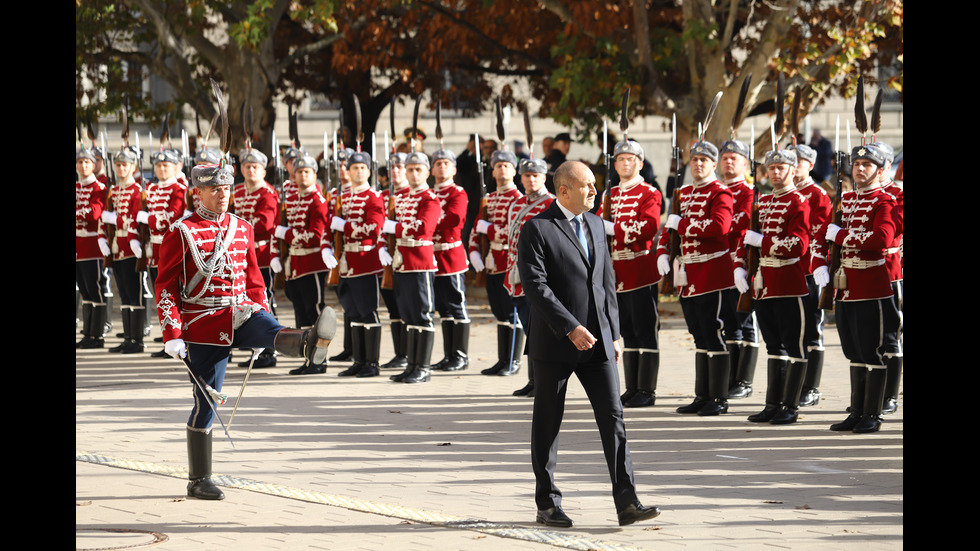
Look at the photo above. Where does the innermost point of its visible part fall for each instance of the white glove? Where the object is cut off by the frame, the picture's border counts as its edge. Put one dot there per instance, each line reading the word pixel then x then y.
pixel 741 280
pixel 673 220
pixel 477 261
pixel 142 217
pixel 482 226
pixel 281 232
pixel 136 247
pixel 109 217
pixel 821 276
pixel 610 227
pixel 753 239
pixel 256 352
pixel 275 264
pixel 328 258
pixel 337 223
pixel 832 230
pixel 389 226
pixel 104 247
pixel 663 264
pixel 175 348
pixel 384 256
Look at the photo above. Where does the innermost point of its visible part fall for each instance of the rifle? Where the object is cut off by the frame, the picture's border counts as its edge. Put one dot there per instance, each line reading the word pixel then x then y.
pixel 624 125
pixel 278 182
pixel 143 261
pixel 388 276
pixel 829 291
pixel 109 229
pixel 674 246
pixel 338 209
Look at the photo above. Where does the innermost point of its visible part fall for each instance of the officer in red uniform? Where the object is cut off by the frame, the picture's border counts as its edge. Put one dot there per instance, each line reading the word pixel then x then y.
pixel 893 259
pixel 126 251
pixel 633 224
pixel 306 270
pixel 703 272
pixel 360 222
pixel 91 248
pixel 450 253
pixel 820 208
pixel 779 286
pixel 494 228
pixel 258 203
pixel 166 201
pixel 398 190
pixel 865 308
pixel 742 340
pixel 417 215
pixel 211 299
pixel 534 175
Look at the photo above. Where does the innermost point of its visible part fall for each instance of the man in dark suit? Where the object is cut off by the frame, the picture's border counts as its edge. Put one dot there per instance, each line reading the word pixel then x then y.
pixel 569 281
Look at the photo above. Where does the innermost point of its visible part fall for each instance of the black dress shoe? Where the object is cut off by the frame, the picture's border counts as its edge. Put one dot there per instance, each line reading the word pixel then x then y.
pixel 810 397
pixel 203 488
pixel 554 516
pixel 526 390
pixel 160 354
pixel 635 512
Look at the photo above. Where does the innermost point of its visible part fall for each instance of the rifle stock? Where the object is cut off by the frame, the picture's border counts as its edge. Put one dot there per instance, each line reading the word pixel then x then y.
pixel 388 276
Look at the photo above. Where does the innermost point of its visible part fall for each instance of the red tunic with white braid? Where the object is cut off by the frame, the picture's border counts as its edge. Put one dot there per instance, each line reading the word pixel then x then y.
pixel 90 201
pixel 635 215
pixel 498 210
pixel 523 209
pixel 706 219
pixel 893 253
pixel 308 219
pixel 417 214
pixel 867 229
pixel 165 203
pixel 125 204
pixel 820 209
pixel 203 295
pixel 784 222
pixel 450 251
pixel 260 208
pixel 363 212
pixel 742 197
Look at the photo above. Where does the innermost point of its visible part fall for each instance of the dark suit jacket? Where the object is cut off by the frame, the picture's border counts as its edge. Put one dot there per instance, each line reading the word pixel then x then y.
pixel 564 290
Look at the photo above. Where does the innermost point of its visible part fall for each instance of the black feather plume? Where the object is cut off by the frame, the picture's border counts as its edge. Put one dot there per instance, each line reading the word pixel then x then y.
pixel 391 121
pixel 780 102
pixel 439 120
pixel 500 124
pixel 527 132
pixel 795 113
pixel 358 137
pixel 740 105
pixel 624 121
pixel 415 120
pixel 876 114
pixel 125 128
pixel 860 116
pixel 223 116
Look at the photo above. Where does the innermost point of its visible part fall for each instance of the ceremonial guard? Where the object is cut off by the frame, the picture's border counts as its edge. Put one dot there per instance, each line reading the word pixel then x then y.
pixel 632 224
pixel 91 248
pixel 450 254
pixel 417 215
pixel 866 312
pixel 743 340
pixel 166 201
pixel 779 286
pixel 306 268
pixel 212 298
pixel 333 195
pixel 493 227
pixel 360 222
pixel 893 259
pixel 534 174
pixel 396 192
pixel 820 208
pixel 126 250
pixel 258 203
pixel 703 272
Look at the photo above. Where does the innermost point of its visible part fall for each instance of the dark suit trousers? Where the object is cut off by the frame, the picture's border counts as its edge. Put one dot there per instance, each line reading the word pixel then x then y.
pixel 601 382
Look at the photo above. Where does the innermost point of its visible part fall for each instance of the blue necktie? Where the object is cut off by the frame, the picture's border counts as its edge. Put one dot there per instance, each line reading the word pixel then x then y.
pixel 580 232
